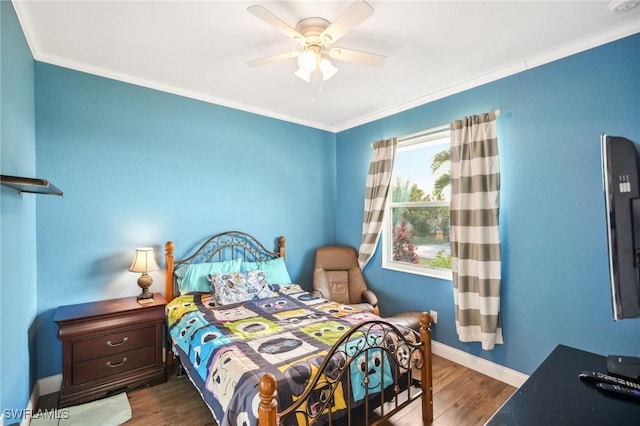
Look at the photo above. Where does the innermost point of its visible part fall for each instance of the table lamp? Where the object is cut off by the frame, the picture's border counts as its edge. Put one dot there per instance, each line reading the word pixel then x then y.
pixel 144 261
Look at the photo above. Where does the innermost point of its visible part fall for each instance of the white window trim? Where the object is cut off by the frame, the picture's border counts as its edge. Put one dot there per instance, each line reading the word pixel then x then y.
pixel 444 274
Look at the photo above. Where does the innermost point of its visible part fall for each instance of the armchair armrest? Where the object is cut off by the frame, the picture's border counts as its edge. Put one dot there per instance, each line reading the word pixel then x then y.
pixel 370 297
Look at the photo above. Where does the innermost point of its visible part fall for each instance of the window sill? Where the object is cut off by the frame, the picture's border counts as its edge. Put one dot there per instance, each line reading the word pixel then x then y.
pixel 442 274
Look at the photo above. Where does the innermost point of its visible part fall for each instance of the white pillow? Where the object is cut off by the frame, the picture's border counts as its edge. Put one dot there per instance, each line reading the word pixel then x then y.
pixel 235 287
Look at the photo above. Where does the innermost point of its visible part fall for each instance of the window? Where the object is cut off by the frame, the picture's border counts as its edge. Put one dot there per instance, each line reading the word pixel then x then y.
pixel 416 228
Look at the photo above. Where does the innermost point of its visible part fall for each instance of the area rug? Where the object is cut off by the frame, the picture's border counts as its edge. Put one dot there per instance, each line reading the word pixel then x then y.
pixel 112 411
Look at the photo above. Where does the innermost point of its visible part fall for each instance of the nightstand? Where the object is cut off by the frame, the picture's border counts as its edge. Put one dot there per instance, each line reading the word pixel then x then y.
pixel 110 345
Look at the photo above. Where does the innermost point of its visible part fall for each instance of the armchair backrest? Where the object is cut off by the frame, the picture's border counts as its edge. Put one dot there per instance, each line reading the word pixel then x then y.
pixel 337 275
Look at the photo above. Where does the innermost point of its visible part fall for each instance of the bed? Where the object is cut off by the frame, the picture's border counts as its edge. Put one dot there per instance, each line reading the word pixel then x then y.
pixel 261 350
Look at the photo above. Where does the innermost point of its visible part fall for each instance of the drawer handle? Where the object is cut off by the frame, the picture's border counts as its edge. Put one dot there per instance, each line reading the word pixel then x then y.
pixel 113 345
pixel 118 364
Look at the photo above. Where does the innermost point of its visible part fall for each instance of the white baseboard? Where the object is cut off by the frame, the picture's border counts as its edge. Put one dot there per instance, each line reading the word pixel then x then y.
pixel 50 384
pixel 481 365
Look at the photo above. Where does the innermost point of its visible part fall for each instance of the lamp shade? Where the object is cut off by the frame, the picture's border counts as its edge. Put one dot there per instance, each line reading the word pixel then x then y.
pixel 144 260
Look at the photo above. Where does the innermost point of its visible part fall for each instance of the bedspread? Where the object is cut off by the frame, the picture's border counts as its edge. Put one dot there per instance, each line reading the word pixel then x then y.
pixel 226 350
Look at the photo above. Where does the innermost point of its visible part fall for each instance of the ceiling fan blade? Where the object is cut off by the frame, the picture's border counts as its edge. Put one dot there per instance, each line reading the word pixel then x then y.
pixel 274 58
pixel 355 14
pixel 277 23
pixel 350 55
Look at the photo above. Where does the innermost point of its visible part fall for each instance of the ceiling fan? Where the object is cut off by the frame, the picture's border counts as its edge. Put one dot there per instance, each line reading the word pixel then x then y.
pixel 316 37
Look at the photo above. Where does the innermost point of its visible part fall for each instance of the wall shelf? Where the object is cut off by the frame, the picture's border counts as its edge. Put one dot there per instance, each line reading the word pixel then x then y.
pixel 30 185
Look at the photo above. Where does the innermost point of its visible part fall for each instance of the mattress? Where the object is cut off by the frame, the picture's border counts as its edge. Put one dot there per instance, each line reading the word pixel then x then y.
pixel 227 349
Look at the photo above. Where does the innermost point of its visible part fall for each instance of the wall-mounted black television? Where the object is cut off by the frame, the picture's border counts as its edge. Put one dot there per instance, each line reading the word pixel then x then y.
pixel 622 199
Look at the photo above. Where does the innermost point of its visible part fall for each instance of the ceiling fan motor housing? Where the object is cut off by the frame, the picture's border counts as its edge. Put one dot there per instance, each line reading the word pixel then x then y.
pixel 312 29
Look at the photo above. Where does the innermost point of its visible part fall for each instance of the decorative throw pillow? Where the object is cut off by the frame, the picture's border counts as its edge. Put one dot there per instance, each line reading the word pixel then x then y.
pixel 193 278
pixel 275 269
pixel 235 287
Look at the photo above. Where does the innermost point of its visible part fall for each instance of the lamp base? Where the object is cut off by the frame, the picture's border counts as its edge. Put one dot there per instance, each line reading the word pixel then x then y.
pixel 145 295
pixel 145 301
pixel 144 282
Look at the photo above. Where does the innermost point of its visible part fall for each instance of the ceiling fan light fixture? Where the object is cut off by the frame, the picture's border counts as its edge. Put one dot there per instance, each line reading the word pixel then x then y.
pixel 307 61
pixel 327 69
pixel 303 75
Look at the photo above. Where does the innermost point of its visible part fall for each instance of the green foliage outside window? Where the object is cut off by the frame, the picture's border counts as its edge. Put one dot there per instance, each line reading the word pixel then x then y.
pixel 442 260
pixel 424 225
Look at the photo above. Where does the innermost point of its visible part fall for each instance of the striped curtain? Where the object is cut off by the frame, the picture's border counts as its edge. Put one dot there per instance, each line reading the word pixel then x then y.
pixel 475 238
pixel 375 197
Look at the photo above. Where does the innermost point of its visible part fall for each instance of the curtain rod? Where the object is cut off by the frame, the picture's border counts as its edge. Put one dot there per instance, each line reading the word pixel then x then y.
pixel 433 130
pixel 422 133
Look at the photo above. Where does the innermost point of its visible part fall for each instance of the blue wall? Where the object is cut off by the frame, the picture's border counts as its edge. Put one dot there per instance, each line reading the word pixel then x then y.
pixel 555 285
pixel 18 275
pixel 140 167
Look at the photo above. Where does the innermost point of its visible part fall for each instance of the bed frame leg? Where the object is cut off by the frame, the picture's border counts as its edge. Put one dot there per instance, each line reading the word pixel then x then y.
pixel 180 369
pixel 268 407
pixel 426 371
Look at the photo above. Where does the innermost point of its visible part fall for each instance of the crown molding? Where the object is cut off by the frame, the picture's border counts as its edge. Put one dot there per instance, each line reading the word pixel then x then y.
pixel 541 59
pixel 525 64
pixel 175 90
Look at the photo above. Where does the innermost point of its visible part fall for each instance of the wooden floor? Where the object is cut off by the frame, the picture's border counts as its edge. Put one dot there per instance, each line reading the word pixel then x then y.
pixel 460 397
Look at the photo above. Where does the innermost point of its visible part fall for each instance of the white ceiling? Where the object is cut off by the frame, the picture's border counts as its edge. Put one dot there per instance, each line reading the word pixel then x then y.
pixel 199 49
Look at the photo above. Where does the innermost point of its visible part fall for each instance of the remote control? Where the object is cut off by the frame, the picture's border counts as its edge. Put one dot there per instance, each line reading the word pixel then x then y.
pixel 597 378
pixel 618 390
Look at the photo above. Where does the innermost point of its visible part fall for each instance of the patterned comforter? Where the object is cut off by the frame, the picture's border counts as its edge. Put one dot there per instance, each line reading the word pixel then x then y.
pixel 227 349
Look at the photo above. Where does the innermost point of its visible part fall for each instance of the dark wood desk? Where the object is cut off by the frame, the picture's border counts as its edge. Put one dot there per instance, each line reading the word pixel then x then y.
pixel 554 395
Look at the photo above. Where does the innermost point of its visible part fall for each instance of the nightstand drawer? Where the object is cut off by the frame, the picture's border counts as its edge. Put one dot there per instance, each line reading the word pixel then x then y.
pixel 94 369
pixel 114 343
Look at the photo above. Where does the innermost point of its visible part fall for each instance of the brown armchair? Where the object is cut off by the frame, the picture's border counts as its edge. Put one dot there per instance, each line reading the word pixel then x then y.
pixel 337 277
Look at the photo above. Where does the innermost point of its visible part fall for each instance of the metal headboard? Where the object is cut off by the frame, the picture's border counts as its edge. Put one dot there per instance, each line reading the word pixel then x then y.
pixel 223 246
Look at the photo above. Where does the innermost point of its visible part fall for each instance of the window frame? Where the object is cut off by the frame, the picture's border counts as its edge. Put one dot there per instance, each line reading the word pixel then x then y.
pixel 407 141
